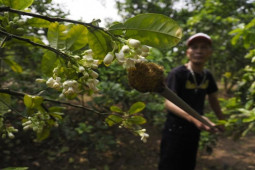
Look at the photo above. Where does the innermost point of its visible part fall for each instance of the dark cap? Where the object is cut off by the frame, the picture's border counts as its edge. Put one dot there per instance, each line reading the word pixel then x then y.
pixel 199 36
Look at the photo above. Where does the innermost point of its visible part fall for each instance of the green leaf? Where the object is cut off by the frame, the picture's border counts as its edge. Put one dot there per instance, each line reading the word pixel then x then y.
pixel 5 100
pixel 155 30
pixel 138 120
pixel 49 62
pixel 76 37
pixel 56 109
pixel 43 135
pixel 100 43
pixel 56 35
pixel 38 22
pixel 113 119
pixel 32 101
pixel 14 66
pixel 136 107
pixel 16 168
pixel 18 4
pixel 249 119
pixel 116 109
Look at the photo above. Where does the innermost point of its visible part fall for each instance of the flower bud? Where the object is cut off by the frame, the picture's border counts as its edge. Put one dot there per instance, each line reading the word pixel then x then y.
pixel 11 135
pixel 76 57
pixel 144 54
pixel 39 80
pixel 89 52
pixel 108 59
pixel 26 127
pixel 120 56
pixel 134 43
pixel 81 68
pixel 138 51
pixel 94 74
pixel 145 48
pixel 125 49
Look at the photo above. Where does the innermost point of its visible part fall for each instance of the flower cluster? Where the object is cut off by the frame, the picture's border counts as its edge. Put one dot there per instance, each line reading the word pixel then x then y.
pixel 143 135
pixel 54 83
pixel 37 122
pixel 130 53
pixel 7 131
pixel 70 79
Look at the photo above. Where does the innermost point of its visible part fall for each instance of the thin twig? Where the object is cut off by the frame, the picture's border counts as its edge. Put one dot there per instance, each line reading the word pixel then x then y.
pixel 20 94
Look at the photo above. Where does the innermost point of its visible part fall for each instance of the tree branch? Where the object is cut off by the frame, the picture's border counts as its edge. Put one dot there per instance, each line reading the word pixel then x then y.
pixel 35 44
pixel 20 94
pixel 51 19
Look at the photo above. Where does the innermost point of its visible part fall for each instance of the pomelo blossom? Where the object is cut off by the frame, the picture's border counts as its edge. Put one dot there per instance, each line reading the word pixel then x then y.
pixel 142 133
pixel 70 87
pixel 132 52
pixel 108 58
pixel 133 43
pixel 54 83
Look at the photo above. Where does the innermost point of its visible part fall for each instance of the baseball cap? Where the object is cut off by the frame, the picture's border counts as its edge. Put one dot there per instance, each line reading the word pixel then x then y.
pixel 199 36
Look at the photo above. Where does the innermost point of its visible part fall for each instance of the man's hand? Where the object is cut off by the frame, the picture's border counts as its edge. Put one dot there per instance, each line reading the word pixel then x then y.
pixel 201 126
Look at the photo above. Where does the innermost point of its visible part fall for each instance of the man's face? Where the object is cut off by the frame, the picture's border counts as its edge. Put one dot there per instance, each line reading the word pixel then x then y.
pixel 199 51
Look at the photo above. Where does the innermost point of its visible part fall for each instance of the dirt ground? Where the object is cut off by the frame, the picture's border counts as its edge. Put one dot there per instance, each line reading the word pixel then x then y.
pixel 131 154
pixel 229 155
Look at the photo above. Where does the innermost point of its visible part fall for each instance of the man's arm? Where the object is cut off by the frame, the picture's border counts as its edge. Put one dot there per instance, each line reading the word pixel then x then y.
pixel 214 103
pixel 181 113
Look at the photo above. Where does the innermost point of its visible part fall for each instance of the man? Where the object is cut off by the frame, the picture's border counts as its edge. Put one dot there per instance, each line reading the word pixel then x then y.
pixel 192 83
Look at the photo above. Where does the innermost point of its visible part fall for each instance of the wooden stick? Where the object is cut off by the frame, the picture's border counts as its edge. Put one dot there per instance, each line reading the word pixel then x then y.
pixel 171 96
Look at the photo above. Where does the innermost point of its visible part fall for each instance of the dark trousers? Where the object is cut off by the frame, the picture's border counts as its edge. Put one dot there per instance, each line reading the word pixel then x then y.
pixel 179 145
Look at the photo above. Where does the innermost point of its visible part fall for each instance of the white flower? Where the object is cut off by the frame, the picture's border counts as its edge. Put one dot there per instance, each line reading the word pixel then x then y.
pixel 129 63
pixel 94 74
pixel 39 80
pixel 125 49
pixel 81 68
pixel 56 85
pixel 88 58
pixel 96 62
pixel 108 58
pixel 11 135
pixel 61 96
pixel 143 135
pixel 85 74
pixel 144 54
pixel 141 59
pixel 120 56
pixel 76 57
pixel 134 43
pixel 69 91
pixel 50 82
pixel 89 52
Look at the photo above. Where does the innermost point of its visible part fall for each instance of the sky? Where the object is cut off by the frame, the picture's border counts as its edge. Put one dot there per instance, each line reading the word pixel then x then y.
pixel 87 10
